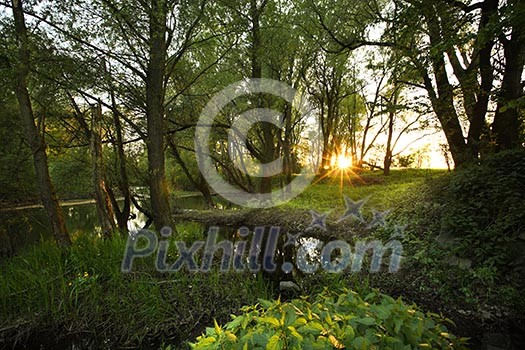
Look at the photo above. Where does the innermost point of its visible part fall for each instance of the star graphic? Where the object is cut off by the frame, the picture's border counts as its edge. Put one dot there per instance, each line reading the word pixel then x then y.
pixel 318 220
pixel 378 219
pixel 353 209
pixel 292 239
pixel 399 231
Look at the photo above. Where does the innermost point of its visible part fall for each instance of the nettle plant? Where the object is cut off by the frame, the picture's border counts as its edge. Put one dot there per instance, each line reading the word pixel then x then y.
pixel 333 320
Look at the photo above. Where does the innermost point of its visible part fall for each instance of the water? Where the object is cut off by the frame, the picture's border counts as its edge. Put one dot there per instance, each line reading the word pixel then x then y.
pixel 23 227
pixel 197 202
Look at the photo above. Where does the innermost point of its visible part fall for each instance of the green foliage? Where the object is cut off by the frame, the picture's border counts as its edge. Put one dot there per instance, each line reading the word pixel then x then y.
pixel 483 207
pixel 340 319
pixel 406 161
pixel 17 182
pixel 70 171
pixel 47 288
pixel 465 233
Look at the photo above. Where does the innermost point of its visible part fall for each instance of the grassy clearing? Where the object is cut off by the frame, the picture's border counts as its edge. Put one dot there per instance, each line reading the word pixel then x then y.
pixel 382 191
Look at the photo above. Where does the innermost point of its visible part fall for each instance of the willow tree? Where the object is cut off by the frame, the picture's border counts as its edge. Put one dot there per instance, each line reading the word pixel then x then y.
pixel 147 40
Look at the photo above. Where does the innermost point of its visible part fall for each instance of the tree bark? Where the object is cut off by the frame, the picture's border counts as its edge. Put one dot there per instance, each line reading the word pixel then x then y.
pixel 443 100
pixel 287 147
pixel 155 96
pixel 35 140
pixel 122 215
pixel 267 144
pixel 200 183
pixel 388 154
pixel 506 126
pixel 103 201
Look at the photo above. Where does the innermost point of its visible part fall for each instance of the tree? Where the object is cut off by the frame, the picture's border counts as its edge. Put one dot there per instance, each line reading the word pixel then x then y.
pixel 507 120
pixel 443 42
pixel 33 136
pixel 329 85
pixel 147 41
pixel 155 97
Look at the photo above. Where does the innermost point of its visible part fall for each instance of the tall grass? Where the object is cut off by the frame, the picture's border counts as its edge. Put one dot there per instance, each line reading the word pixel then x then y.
pixel 81 290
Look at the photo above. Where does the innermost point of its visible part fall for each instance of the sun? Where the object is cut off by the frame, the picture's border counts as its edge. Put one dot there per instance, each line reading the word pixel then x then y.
pixel 340 167
pixel 343 162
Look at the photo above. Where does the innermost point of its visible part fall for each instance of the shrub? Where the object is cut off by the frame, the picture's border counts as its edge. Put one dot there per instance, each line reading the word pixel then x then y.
pixel 334 319
pixel 466 231
pixel 483 208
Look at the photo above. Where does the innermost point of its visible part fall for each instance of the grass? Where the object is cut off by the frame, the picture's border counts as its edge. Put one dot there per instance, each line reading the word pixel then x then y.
pixel 382 191
pixel 82 291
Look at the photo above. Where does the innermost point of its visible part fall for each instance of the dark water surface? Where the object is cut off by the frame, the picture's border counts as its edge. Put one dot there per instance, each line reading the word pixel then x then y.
pixel 22 227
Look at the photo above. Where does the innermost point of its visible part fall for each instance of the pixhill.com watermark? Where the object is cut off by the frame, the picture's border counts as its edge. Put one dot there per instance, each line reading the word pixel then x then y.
pixel 256 251
pixel 237 140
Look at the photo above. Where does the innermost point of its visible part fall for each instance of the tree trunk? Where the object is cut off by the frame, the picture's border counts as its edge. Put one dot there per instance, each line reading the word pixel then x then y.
pixel 443 101
pixel 506 126
pixel 287 147
pixel 122 215
pixel 103 201
pixel 388 155
pixel 155 95
pixel 387 163
pixel 35 140
pixel 267 154
pixel 199 184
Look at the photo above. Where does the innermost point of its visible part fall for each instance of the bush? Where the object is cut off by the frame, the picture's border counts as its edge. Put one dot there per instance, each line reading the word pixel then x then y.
pixel 483 209
pixel 466 232
pixel 334 319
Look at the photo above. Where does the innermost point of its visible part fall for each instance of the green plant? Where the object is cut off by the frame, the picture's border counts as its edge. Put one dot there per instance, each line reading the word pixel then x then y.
pixel 82 290
pixel 339 319
pixel 465 232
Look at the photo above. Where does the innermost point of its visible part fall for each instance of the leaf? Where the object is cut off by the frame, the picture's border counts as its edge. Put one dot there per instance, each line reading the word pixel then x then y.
pixel 301 321
pixel 366 321
pixel 397 325
pixel 270 320
pixel 207 341
pixel 294 332
pixel 349 333
pixel 265 303
pixel 370 296
pixel 274 343
pixel 335 342
pixel 235 323
pixel 382 312
pixel 231 337
pixel 218 330
pixel 313 327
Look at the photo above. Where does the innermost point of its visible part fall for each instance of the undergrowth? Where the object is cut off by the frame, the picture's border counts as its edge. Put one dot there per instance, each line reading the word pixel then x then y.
pixel 81 290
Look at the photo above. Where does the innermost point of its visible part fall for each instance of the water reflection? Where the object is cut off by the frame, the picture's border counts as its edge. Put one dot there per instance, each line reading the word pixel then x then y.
pixel 197 202
pixel 25 227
